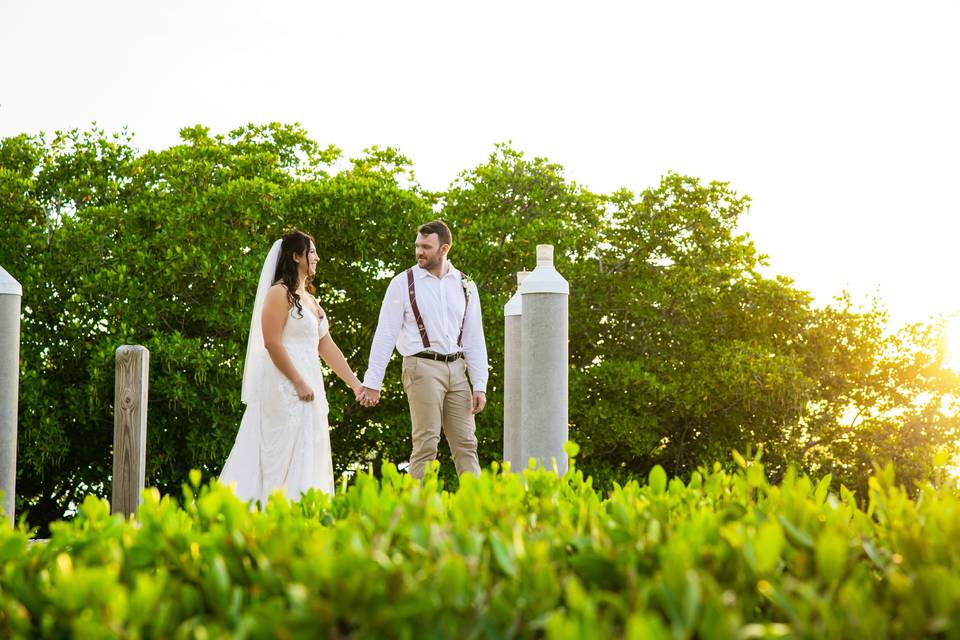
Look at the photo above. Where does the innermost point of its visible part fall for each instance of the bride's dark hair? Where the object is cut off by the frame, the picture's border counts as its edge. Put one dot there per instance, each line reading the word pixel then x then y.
pixel 293 243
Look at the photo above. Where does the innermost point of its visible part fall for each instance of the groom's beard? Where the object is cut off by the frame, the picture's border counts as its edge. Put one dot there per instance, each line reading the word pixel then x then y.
pixel 430 263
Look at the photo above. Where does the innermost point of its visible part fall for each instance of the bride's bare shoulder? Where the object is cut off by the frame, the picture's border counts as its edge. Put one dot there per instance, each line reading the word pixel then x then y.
pixel 277 293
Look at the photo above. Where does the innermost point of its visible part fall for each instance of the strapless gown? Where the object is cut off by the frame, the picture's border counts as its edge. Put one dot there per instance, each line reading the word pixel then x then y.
pixel 284 442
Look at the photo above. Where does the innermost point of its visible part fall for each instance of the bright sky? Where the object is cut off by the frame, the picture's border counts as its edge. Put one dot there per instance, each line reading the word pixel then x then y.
pixel 840 119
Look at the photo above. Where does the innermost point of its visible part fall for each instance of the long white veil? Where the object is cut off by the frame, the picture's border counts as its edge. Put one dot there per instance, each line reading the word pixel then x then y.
pixel 256 353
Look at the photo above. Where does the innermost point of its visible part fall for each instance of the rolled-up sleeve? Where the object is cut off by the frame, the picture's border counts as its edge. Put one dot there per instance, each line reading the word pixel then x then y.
pixel 474 344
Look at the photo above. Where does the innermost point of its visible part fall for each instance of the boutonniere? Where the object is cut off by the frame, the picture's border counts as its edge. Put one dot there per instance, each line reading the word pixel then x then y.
pixel 466 281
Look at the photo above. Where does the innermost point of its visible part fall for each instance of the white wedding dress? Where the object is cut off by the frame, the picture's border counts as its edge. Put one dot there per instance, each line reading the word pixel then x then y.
pixel 284 442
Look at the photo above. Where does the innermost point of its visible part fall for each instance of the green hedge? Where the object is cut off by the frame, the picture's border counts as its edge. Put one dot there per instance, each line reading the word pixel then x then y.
pixel 726 555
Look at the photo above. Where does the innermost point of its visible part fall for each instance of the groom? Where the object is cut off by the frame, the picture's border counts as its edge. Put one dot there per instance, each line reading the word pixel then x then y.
pixel 431 314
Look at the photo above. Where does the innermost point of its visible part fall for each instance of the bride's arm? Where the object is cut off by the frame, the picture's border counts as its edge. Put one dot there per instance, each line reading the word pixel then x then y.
pixel 276 310
pixel 332 355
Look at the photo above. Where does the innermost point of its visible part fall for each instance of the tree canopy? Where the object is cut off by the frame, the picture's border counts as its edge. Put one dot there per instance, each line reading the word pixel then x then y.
pixel 680 348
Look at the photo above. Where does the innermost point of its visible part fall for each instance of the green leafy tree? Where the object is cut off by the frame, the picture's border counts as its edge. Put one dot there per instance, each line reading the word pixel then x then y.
pixel 164 249
pixel 680 349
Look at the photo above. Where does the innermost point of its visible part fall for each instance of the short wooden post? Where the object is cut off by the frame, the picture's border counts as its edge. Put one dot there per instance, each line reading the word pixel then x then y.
pixel 130 428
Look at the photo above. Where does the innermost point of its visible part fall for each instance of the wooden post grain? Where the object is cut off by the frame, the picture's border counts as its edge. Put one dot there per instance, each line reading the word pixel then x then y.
pixel 130 428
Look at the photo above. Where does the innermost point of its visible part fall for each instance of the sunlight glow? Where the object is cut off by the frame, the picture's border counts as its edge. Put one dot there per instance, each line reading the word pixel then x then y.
pixel 953 344
pixel 953 471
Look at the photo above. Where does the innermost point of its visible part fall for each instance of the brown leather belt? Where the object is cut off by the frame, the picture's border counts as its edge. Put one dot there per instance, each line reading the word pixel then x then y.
pixel 438 356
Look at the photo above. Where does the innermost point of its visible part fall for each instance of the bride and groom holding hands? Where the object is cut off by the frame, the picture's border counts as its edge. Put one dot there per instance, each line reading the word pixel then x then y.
pixel 430 315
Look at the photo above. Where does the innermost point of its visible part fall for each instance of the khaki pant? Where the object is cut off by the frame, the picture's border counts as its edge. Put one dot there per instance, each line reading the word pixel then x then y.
pixel 440 400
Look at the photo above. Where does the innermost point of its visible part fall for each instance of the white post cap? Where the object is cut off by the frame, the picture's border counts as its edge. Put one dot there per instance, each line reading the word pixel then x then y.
pixel 9 286
pixel 544 255
pixel 514 306
pixel 545 278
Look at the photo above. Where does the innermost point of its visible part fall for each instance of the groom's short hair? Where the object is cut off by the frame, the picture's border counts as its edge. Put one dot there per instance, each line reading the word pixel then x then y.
pixel 438 227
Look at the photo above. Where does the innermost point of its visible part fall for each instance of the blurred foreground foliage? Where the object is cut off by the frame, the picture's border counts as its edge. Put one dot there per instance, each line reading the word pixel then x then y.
pixel 724 555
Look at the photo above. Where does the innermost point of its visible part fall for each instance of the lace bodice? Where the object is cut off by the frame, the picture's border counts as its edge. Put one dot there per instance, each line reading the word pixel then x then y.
pixel 305 329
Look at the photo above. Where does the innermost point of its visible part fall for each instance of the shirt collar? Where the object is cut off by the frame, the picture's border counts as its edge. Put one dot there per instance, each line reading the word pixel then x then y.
pixel 423 273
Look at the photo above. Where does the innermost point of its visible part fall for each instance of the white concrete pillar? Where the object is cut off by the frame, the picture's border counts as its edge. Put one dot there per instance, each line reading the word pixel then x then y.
pixel 512 344
pixel 544 356
pixel 10 294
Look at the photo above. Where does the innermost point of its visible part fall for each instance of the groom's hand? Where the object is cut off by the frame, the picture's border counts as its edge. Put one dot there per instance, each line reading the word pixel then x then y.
pixel 369 397
pixel 479 402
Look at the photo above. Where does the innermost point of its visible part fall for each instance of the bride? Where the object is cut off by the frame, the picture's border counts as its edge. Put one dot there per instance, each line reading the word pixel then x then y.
pixel 284 439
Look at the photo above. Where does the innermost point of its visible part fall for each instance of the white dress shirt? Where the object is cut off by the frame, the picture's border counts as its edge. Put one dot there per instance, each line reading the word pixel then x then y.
pixel 441 305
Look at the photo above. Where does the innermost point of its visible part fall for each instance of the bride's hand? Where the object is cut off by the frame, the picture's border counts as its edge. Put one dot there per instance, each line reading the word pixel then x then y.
pixel 304 392
pixel 368 397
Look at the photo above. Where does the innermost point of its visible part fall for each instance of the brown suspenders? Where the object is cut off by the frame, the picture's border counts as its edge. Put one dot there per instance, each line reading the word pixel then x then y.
pixel 411 291
pixel 463 320
pixel 416 310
